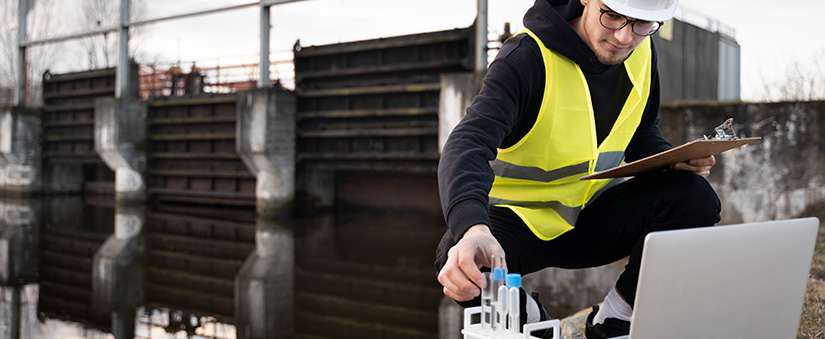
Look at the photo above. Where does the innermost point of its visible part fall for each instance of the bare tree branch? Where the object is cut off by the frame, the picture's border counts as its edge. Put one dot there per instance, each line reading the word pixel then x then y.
pixel 45 19
pixel 101 50
pixel 800 79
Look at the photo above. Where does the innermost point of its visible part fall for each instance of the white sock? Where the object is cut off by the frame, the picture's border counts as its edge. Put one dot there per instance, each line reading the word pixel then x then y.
pixel 613 307
pixel 532 309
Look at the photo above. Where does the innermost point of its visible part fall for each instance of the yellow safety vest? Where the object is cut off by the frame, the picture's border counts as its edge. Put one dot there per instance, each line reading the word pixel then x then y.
pixel 537 177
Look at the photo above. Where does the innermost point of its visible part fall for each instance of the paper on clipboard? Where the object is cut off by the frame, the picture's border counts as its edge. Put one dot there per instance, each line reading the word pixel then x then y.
pixel 689 151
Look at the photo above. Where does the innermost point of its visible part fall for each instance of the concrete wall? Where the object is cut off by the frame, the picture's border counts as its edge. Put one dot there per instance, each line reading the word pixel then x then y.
pixel 781 176
pixel 20 161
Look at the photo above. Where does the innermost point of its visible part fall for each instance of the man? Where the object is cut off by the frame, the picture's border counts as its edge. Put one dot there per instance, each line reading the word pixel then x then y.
pixel 577 93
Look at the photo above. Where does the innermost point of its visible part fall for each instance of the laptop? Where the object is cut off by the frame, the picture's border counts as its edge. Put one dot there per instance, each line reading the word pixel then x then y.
pixel 734 281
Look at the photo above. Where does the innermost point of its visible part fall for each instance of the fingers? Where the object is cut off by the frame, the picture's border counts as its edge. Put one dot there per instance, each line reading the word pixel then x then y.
pixel 699 166
pixel 455 280
pixel 469 267
pixel 700 162
pixel 707 161
pixel 460 276
pixel 456 286
pixel 703 171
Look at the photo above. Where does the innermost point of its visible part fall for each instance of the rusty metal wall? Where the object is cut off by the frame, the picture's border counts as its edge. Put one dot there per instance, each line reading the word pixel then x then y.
pixel 68 129
pixel 372 283
pixel 368 112
pixel 185 249
pixel 65 276
pixel 69 112
pixel 191 153
pixel 71 235
pixel 373 105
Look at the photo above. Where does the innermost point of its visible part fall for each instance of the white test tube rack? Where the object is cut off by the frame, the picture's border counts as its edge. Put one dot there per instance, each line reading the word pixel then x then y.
pixel 473 330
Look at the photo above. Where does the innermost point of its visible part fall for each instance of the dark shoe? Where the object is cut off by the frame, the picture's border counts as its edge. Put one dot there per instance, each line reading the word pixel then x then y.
pixel 611 327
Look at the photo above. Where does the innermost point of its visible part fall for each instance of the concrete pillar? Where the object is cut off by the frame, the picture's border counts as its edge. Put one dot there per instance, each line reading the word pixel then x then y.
pixel 19 245
pixel 266 143
pixel 20 151
pixel 12 329
pixel 120 133
pixel 117 273
pixel 264 286
pixel 2 168
pixel 450 319
pixel 19 248
pixel 457 92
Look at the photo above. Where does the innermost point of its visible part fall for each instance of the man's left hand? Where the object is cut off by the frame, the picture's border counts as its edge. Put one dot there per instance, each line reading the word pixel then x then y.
pixel 699 166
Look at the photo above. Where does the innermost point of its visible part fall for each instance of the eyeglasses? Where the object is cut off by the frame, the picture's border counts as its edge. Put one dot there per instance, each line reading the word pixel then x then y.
pixel 615 21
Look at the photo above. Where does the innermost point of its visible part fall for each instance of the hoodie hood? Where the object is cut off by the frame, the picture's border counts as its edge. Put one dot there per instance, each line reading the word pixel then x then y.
pixel 549 20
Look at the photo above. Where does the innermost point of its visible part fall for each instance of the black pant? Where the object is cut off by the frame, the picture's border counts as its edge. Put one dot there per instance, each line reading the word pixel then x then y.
pixel 611 228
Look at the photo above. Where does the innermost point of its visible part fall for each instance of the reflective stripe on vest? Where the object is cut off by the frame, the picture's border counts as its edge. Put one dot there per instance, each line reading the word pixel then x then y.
pixel 504 169
pixel 537 177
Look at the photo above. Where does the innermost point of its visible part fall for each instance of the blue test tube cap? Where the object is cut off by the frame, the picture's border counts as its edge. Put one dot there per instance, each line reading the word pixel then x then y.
pixel 498 273
pixel 513 280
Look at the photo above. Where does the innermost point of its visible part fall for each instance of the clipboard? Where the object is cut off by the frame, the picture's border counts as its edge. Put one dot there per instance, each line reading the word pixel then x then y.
pixel 689 151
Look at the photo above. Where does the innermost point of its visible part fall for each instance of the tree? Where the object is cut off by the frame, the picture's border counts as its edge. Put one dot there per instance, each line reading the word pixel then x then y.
pixel 46 19
pixel 801 79
pixel 40 58
pixel 101 50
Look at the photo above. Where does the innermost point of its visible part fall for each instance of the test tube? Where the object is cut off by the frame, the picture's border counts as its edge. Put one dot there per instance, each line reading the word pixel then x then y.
pixel 498 309
pixel 487 302
pixel 499 262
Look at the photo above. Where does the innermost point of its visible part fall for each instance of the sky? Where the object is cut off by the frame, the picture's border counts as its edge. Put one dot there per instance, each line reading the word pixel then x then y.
pixel 770 34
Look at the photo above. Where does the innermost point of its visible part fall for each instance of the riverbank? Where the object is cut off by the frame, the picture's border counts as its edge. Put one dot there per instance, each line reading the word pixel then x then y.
pixel 812 324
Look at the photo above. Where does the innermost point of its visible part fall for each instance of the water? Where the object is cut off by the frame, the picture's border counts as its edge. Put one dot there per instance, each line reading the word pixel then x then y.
pixel 187 273
pixel 487 311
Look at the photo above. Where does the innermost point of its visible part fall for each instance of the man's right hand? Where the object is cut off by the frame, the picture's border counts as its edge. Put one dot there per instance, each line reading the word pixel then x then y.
pixel 461 276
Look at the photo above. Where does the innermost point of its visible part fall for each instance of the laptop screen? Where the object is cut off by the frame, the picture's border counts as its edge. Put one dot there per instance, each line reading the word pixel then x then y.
pixel 735 281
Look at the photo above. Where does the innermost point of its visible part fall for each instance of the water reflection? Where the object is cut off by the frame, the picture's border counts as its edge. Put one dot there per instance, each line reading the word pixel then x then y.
pixel 19 235
pixel 77 268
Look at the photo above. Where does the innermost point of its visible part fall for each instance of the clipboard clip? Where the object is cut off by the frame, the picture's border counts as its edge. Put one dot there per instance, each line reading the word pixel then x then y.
pixel 723 131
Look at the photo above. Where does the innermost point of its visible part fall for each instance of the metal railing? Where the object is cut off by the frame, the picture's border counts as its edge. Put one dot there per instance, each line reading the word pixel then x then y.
pixel 177 79
pixel 122 77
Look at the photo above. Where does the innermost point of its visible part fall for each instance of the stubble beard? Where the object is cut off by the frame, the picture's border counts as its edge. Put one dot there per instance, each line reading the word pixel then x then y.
pixel 609 58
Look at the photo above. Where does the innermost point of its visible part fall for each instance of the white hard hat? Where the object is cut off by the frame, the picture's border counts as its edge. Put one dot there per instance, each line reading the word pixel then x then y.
pixel 650 10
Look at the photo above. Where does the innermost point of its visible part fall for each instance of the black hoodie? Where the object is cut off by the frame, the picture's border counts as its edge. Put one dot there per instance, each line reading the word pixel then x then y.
pixel 508 104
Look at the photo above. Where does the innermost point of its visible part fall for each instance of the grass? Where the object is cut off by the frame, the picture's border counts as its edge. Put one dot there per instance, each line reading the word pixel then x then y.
pixel 812 324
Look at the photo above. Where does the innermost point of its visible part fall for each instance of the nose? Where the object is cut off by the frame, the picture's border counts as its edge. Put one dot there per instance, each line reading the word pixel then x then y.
pixel 624 35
